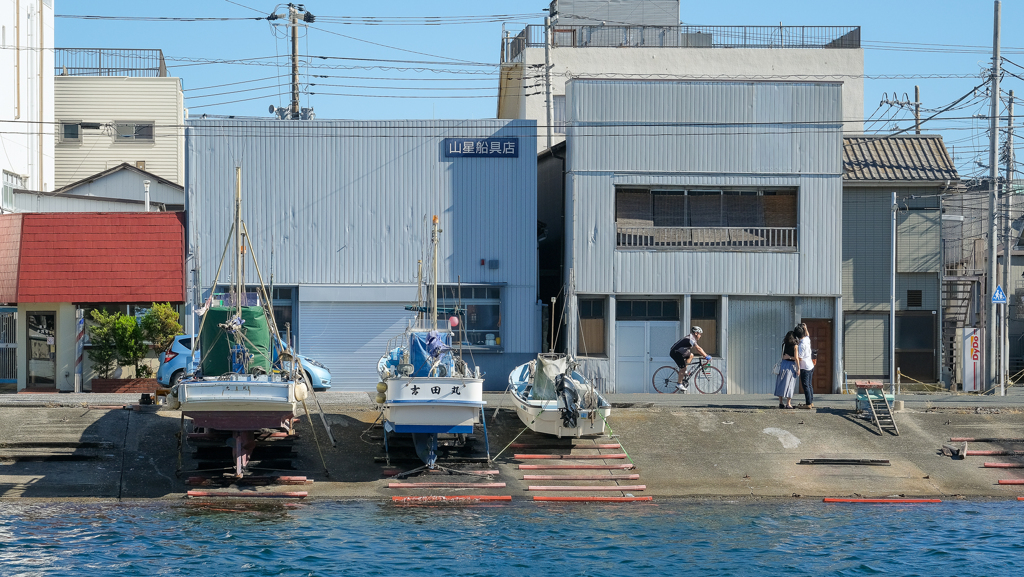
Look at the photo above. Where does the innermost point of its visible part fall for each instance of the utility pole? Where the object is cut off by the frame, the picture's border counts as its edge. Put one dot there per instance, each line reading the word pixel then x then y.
pixel 293 16
pixel 993 159
pixel 294 112
pixel 1008 243
pixel 547 76
pixel 917 109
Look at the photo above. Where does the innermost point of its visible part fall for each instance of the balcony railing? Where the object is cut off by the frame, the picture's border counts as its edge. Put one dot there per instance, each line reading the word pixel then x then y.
pixel 109 62
pixel 739 238
pixel 532 36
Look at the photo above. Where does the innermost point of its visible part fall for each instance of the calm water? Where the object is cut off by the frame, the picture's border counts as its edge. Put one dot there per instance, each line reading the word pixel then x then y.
pixel 371 538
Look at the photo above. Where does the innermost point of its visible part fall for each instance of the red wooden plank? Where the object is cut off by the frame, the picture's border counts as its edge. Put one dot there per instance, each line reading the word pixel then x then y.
pixel 1011 481
pixel 571 457
pixel 1004 465
pixel 632 477
pixel 836 500
pixel 583 488
pixel 554 446
pixel 449 498
pixel 549 467
pixel 247 494
pixel 429 485
pixel 992 453
pixel 596 499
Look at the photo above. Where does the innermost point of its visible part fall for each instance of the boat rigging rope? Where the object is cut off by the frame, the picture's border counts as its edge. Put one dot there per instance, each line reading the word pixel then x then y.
pixel 526 428
pixel 316 439
pixel 623 449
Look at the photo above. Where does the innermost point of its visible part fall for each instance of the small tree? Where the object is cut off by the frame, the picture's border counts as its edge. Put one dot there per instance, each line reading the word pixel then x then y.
pixel 130 343
pixel 103 352
pixel 160 325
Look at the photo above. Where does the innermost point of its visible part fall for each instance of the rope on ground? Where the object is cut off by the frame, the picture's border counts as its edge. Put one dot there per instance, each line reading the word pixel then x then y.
pixel 316 440
pixel 526 428
pixel 623 448
pixel 931 386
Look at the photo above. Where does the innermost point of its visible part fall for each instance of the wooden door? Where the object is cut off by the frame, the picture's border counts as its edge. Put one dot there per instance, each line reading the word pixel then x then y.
pixel 821 341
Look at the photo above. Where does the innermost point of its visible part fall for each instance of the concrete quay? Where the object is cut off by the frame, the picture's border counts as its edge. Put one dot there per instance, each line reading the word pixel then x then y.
pixel 86 446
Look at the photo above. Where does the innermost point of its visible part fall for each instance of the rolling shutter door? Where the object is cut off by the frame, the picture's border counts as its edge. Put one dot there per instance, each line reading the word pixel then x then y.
pixel 349 338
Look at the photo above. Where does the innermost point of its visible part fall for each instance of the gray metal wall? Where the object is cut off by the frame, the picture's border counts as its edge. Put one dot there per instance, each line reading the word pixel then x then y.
pixel 867 249
pixel 721 134
pixel 349 203
pixel 756 329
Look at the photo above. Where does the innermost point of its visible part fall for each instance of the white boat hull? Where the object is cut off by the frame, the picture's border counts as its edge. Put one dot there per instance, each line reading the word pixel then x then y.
pixel 545 416
pixel 433 404
pixel 242 403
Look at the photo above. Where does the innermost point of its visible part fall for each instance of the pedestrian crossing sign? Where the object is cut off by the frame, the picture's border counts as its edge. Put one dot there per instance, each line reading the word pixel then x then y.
pixel 999 297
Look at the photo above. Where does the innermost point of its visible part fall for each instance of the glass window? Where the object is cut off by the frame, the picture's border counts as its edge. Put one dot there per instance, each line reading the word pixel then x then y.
pixel 647 310
pixel 10 183
pixel 71 132
pixel 478 310
pixel 704 314
pixel 591 337
pixel 137 131
pixel 558 113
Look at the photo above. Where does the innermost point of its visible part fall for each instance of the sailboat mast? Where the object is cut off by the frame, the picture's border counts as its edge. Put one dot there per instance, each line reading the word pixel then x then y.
pixel 433 285
pixel 238 240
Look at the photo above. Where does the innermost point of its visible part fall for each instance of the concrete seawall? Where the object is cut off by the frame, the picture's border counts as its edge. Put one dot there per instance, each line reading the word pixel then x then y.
pixel 88 447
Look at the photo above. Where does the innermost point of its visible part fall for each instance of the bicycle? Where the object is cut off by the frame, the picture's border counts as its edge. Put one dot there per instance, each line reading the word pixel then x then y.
pixel 706 378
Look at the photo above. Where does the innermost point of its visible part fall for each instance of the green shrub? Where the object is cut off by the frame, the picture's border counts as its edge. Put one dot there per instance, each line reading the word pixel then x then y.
pixel 160 325
pixel 103 352
pixel 130 343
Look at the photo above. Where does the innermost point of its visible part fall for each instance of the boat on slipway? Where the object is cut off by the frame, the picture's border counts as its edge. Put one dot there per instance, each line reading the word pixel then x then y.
pixel 236 391
pixel 426 389
pixel 552 397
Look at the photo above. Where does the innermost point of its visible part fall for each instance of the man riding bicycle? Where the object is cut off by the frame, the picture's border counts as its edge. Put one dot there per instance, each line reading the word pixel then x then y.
pixel 682 353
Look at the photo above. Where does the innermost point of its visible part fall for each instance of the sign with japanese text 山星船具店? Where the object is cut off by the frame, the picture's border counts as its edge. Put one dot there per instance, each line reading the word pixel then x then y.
pixel 482 147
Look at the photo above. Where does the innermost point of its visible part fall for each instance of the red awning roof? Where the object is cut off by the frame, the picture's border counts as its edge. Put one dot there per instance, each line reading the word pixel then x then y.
pixel 92 257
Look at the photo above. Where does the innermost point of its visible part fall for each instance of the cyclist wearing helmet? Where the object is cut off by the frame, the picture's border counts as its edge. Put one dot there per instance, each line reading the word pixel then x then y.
pixel 682 351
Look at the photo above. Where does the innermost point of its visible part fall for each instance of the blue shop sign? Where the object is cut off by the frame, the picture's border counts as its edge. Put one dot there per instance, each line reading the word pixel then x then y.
pixel 483 147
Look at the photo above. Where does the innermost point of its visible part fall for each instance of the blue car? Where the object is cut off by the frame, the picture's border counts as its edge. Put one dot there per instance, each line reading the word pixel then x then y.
pixel 173 363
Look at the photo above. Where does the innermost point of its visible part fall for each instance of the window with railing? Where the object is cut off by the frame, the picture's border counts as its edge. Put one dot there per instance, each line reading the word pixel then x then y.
pixel 706 219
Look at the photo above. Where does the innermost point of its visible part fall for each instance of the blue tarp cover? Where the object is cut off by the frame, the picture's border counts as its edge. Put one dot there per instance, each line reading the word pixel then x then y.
pixel 424 348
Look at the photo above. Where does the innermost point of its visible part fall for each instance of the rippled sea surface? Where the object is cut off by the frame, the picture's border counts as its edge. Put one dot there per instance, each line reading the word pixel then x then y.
pixel 375 538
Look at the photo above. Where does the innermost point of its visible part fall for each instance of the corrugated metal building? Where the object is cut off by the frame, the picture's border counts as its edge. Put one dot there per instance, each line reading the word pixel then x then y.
pixel 708 203
pixel 339 214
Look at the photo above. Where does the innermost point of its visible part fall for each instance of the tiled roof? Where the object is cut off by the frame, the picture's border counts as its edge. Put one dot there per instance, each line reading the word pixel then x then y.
pixel 903 158
pixel 10 246
pixel 102 257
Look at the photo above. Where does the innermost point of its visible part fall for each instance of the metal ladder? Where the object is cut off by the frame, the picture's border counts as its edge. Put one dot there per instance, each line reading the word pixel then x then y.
pixel 881 412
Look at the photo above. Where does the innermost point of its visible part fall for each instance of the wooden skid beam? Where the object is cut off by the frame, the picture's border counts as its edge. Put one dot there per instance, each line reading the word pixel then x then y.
pixel 586 488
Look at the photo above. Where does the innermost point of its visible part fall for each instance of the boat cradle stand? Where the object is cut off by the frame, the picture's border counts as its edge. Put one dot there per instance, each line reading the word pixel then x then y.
pixel 430 445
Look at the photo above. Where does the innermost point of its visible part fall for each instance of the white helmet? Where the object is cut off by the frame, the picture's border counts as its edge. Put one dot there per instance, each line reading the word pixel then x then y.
pixel 696 330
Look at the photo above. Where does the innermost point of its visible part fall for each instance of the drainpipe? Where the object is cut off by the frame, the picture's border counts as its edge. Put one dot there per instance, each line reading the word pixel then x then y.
pixel 145 184
pixel 42 120
pixel 547 76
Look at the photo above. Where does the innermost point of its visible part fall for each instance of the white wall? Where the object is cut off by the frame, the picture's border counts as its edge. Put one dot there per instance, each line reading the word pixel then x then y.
pixel 828 65
pixel 26 91
pixel 110 99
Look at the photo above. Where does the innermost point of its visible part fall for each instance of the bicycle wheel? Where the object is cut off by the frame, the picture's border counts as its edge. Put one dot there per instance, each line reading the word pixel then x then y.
pixel 708 379
pixel 666 379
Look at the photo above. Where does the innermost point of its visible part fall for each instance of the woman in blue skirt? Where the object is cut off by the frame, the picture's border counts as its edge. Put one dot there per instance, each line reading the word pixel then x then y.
pixel 789 371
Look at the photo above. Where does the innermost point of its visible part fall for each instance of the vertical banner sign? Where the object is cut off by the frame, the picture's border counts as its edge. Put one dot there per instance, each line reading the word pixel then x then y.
pixel 79 342
pixel 973 373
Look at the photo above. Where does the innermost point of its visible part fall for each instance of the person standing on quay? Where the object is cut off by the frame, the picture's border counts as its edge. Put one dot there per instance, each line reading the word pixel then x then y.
pixel 806 364
pixel 789 371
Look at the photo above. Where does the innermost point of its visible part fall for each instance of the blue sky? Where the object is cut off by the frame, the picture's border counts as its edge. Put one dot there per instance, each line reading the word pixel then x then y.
pixel 913 37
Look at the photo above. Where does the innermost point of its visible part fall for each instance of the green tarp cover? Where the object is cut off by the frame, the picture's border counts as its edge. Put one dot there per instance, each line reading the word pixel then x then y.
pixel 215 343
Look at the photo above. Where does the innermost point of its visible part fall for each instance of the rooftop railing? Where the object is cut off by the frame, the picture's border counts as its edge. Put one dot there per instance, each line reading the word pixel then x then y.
pixel 532 36
pixel 109 62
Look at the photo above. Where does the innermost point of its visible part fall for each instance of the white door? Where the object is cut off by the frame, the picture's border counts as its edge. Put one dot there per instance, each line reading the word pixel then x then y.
pixel 640 348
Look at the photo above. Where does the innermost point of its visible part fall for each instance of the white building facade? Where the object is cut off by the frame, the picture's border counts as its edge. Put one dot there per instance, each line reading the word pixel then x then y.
pixel 26 96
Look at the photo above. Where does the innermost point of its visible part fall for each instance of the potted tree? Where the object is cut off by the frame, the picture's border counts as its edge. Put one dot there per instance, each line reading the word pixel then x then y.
pixel 130 340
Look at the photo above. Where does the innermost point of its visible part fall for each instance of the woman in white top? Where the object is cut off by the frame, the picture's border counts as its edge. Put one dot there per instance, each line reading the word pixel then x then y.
pixel 806 364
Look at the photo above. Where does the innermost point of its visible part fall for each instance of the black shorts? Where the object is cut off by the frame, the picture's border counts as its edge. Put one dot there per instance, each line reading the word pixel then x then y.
pixel 679 356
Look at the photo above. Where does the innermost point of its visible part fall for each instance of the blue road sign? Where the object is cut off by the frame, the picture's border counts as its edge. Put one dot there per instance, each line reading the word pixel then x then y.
pixel 999 297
